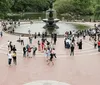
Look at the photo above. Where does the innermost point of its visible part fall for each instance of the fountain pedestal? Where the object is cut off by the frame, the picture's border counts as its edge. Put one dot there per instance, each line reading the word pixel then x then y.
pixel 51 20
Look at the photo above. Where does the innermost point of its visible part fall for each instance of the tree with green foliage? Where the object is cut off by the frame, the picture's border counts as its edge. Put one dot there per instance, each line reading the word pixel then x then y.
pixel 4 7
pixel 71 8
pixel 30 5
pixel 97 12
pixel 76 7
pixel 82 7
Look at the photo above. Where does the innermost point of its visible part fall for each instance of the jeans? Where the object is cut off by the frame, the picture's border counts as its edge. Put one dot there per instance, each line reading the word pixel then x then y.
pixel 9 61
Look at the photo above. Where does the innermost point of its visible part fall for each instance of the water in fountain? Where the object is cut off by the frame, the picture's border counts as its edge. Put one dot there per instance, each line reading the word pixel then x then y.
pixel 38 27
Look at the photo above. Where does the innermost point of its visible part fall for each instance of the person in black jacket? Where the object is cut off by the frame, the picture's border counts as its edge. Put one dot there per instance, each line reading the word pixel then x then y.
pixel 35 35
pixel 72 49
pixel 51 59
pixel 14 48
pixel 80 44
pixel 55 38
pixel 24 51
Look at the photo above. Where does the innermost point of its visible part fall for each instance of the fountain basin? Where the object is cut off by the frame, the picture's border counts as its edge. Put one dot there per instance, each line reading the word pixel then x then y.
pixel 38 27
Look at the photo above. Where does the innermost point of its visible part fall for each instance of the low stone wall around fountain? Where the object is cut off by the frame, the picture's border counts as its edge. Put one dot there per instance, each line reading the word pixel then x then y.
pixel 38 27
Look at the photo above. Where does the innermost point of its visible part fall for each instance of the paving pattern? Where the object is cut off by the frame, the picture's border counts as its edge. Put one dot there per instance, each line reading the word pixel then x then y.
pixel 88 48
pixel 81 69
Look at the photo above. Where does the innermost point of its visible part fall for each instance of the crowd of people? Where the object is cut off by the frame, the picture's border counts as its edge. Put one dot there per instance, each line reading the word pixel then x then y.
pixel 43 45
pixel 73 38
pixel 10 25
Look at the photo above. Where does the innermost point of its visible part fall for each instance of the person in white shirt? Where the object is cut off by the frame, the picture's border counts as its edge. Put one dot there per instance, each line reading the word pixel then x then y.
pixel 9 57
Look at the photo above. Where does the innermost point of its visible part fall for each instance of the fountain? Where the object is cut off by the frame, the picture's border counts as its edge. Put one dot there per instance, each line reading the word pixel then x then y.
pixel 50 19
pixel 50 26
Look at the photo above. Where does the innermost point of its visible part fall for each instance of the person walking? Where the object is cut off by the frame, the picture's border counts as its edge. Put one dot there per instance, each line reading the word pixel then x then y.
pixel 11 47
pixel 35 35
pixel 72 49
pixel 1 33
pixel 42 45
pixel 27 49
pixel 73 39
pixel 95 44
pixel 29 52
pixel 14 58
pixel 9 58
pixel 51 59
pixel 80 44
pixel 52 37
pixel 39 34
pixel 34 50
pixel 55 38
pixel 24 51
pixel 54 53
pixel 99 46
pixel 39 47
pixel 30 40
pixel 48 53
pixel 22 42
pixel 84 35
pixel 14 48
pixel 48 44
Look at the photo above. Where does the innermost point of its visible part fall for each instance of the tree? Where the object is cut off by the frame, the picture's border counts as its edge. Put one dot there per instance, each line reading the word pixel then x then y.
pixel 82 7
pixel 63 6
pixel 30 5
pixel 75 8
pixel 4 7
pixel 97 12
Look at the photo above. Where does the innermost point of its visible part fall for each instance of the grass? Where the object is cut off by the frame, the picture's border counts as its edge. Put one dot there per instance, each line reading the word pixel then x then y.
pixel 81 26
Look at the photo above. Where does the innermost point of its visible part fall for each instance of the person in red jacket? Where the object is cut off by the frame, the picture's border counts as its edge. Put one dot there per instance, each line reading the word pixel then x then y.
pixel 99 45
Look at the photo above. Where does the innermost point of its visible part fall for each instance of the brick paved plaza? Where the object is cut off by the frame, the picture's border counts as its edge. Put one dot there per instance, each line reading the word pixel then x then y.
pixel 81 69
